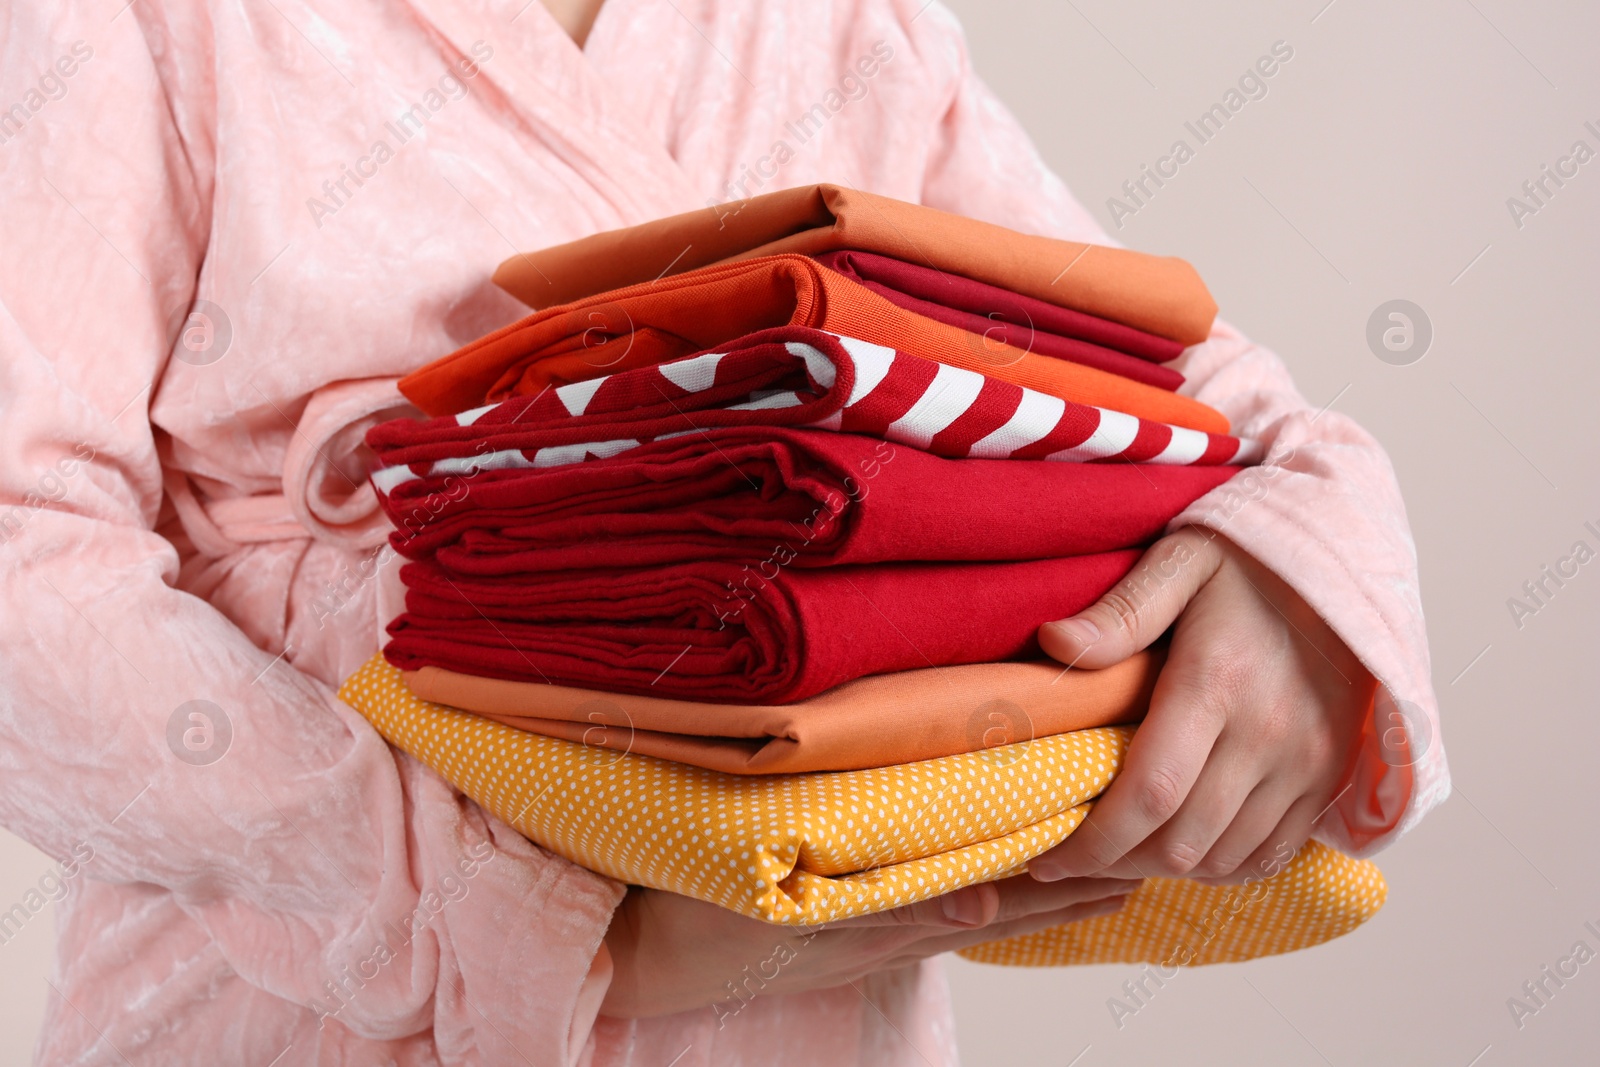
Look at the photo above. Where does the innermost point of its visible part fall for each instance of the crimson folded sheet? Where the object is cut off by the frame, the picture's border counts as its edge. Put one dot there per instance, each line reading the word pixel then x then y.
pixel 721 633
pixel 773 497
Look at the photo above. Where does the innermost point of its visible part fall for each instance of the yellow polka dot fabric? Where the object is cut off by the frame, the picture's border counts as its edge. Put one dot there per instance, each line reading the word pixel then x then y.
pixel 1316 896
pixel 814 848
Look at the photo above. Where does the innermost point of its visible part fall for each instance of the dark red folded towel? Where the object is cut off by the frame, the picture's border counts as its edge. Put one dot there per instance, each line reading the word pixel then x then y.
pixel 726 633
pixel 1023 322
pixel 774 497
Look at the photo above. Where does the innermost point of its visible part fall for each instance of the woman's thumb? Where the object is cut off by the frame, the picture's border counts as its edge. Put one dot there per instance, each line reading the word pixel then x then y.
pixel 1140 607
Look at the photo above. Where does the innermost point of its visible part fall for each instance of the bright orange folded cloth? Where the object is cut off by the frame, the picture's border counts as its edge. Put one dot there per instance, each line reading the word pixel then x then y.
pixel 1156 293
pixel 877 721
pixel 694 312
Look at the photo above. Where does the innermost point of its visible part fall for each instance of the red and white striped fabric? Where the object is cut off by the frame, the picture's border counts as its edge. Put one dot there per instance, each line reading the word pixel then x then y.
pixel 789 376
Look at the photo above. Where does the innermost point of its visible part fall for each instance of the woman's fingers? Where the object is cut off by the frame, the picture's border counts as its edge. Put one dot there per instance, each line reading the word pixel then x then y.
pixel 1022 897
pixel 1182 844
pixel 956 940
pixel 671 953
pixel 1279 844
pixel 980 906
pixel 1228 857
pixel 1164 760
pixel 1141 606
pixel 971 906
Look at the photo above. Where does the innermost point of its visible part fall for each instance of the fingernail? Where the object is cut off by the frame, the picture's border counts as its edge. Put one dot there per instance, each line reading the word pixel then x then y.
pixel 963 908
pixel 1085 631
pixel 1046 870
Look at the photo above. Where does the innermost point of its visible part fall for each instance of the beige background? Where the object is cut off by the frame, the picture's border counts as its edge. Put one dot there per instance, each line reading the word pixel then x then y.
pixel 1384 151
pixel 1380 160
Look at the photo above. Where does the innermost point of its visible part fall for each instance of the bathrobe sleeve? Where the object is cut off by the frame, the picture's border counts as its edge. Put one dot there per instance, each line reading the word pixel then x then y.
pixel 329 872
pixel 1324 511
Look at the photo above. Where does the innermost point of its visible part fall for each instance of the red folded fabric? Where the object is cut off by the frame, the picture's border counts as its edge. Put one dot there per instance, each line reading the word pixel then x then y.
pixel 1024 323
pixel 716 632
pixel 701 310
pixel 772 497
pixel 790 376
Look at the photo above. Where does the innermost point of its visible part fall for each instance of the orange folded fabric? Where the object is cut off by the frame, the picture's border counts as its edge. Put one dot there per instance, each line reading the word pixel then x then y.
pixel 879 721
pixel 1160 294
pixel 695 312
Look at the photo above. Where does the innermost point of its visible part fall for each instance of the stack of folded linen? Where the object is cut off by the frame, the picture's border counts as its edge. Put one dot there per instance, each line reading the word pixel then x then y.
pixel 717 628
pixel 727 582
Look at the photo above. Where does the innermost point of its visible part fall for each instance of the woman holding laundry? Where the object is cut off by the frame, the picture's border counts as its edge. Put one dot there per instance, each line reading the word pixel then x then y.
pixel 231 234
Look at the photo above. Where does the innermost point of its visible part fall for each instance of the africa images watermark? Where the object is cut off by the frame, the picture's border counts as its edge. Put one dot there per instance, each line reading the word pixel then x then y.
pixel 824 520
pixel 1538 992
pixel 1250 486
pixel 749 985
pixel 51 886
pixel 51 489
pixel 1252 85
pixel 405 126
pixel 340 590
pixel 803 128
pixel 50 86
pixel 1538 191
pixel 1537 593
pixel 395 936
pixel 1254 889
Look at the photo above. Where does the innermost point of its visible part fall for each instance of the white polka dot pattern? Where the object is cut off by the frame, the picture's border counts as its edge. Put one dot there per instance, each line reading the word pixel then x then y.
pixel 794 848
pixel 813 848
pixel 1320 895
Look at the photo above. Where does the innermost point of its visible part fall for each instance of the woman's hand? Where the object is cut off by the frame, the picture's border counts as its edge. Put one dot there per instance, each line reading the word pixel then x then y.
pixel 673 953
pixel 1251 729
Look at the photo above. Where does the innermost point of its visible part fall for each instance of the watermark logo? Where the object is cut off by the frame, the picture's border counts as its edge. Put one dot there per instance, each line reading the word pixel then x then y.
pixel 51 85
pixel 1405 733
pixel 605 331
pixel 1204 927
pixel 801 130
pixel 49 888
pixel 1002 342
pixel 997 730
pixel 1399 332
pixel 1538 191
pixel 351 580
pixel 199 733
pixel 394 935
pixel 202 333
pixel 1539 991
pixel 608 734
pixel 1540 590
pixel 50 488
pixel 407 126
pixel 1139 191
pixel 823 523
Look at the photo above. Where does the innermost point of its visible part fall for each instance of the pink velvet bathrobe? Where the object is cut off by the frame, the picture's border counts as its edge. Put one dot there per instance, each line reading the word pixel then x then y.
pixel 183 515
